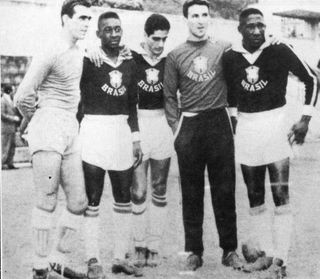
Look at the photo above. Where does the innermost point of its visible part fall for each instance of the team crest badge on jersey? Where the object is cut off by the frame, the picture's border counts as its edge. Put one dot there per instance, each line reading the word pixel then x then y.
pixel 115 78
pixel 253 82
pixel 200 64
pixel 200 70
pixel 252 74
pixel 152 76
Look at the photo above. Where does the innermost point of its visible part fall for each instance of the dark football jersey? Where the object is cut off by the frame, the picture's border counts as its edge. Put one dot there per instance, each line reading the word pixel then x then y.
pixel 261 85
pixel 149 82
pixel 110 90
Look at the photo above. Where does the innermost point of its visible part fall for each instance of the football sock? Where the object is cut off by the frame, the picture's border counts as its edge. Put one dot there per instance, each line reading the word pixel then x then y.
pixel 261 225
pixel 41 229
pixel 91 232
pixel 283 224
pixel 68 225
pixel 122 229
pixel 139 224
pixel 158 216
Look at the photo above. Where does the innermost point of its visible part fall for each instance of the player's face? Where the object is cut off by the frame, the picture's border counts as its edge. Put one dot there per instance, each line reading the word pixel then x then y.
pixel 253 31
pixel 110 33
pixel 155 42
pixel 78 24
pixel 198 20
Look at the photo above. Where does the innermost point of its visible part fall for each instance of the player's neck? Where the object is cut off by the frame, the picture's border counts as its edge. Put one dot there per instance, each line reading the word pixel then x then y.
pixel 112 53
pixel 68 38
pixel 249 47
pixel 194 38
pixel 150 54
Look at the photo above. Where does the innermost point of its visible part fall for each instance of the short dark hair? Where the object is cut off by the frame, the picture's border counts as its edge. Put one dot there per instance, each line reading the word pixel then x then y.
pixel 190 3
pixel 107 15
pixel 68 6
pixel 156 22
pixel 7 88
pixel 246 12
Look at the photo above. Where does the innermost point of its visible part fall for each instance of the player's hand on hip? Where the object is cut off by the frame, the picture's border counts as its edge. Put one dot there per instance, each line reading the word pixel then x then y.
pixel 137 153
pixel 298 132
pixel 95 55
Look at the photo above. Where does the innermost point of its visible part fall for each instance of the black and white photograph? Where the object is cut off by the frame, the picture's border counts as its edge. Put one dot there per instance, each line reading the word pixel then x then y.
pixel 172 139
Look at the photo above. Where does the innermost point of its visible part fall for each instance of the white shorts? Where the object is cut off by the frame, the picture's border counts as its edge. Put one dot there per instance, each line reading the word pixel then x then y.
pixel 53 129
pixel 107 141
pixel 261 137
pixel 156 135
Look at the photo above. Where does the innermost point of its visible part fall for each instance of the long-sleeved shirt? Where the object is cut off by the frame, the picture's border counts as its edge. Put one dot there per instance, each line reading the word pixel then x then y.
pixel 110 90
pixel 195 69
pixel 149 80
pixel 52 80
pixel 257 81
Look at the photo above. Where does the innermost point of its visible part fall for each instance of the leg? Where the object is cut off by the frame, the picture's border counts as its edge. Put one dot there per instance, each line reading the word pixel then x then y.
pixel 5 146
pixel 72 182
pixel 138 195
pixel 11 151
pixel 221 172
pixel 279 177
pixel 260 219
pixel 46 172
pixel 139 221
pixel 94 181
pixel 189 149
pixel 121 182
pixel 158 207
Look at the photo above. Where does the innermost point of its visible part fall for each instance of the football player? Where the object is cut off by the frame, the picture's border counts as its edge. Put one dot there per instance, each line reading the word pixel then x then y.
pixel 156 144
pixel 48 97
pixel 203 135
pixel 257 75
pixel 110 142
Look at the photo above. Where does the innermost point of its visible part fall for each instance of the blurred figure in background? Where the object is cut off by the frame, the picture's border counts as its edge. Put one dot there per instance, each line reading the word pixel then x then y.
pixel 9 120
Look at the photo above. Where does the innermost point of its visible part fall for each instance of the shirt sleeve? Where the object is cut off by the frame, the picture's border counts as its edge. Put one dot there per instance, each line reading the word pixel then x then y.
pixel 170 82
pixel 84 83
pixel 300 69
pixel 133 101
pixel 26 97
pixel 231 93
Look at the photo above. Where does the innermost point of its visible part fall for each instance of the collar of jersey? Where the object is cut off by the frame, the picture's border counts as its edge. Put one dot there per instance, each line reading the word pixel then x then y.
pixel 239 48
pixel 107 60
pixel 147 57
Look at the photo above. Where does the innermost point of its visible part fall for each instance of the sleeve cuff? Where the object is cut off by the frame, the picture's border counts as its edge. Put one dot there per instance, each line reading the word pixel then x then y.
pixel 135 136
pixel 233 111
pixel 307 110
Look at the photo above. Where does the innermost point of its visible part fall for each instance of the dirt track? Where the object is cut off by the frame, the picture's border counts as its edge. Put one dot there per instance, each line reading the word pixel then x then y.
pixel 304 261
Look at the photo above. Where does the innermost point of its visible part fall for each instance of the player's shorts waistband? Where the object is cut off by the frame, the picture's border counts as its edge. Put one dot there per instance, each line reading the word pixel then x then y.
pixel 262 114
pixel 110 119
pixel 58 111
pixel 150 112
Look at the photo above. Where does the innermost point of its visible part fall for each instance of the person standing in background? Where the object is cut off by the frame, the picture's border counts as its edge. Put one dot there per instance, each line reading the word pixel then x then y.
pixel 9 121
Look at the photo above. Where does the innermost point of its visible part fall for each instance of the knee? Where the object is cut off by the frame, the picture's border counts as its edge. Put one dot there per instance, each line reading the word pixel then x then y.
pixel 138 196
pixel 47 202
pixel 77 205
